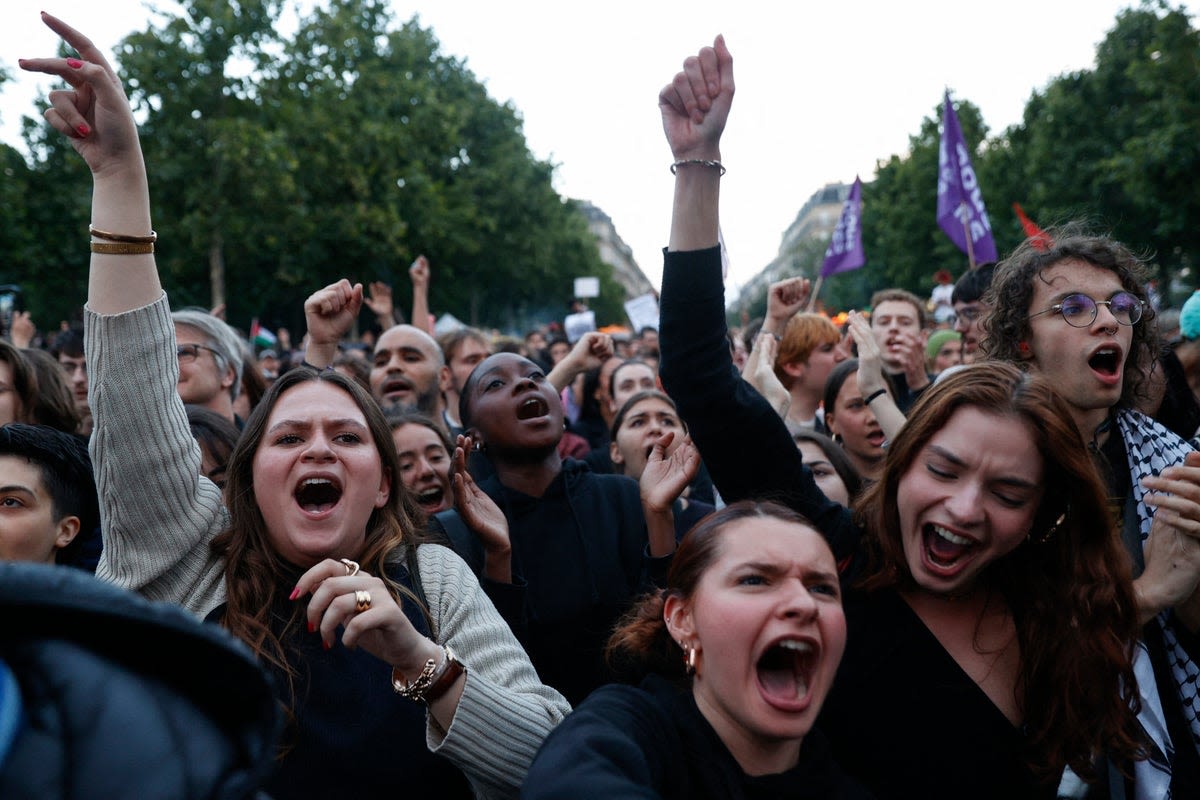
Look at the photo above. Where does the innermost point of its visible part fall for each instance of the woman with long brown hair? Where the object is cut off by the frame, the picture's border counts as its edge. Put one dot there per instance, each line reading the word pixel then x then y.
pixel 393 666
pixel 991 614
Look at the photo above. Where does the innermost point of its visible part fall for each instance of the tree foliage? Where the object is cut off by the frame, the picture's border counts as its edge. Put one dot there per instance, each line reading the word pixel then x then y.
pixel 1117 146
pixel 278 165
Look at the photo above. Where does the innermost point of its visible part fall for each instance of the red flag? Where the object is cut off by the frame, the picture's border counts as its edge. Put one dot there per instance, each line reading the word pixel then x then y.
pixel 1039 238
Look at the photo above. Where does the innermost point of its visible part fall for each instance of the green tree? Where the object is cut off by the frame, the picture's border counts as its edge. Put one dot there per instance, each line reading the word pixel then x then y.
pixel 1117 145
pixel 279 165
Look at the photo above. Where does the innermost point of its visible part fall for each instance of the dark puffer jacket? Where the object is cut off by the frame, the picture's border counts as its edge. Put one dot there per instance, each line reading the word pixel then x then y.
pixel 120 697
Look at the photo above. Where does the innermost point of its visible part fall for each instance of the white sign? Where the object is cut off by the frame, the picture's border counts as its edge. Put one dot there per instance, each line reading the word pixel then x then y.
pixel 577 325
pixel 587 287
pixel 642 312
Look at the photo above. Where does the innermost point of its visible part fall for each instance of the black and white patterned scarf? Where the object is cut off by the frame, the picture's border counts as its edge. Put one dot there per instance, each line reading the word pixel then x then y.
pixel 1152 448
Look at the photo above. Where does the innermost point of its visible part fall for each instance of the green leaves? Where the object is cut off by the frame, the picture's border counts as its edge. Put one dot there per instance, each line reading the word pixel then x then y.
pixel 278 165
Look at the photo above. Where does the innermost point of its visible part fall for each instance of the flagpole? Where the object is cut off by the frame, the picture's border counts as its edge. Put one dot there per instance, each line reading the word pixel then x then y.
pixel 812 298
pixel 967 235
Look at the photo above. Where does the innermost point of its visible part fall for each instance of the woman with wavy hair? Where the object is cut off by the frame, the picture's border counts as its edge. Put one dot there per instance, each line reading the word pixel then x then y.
pixel 990 612
pixel 390 661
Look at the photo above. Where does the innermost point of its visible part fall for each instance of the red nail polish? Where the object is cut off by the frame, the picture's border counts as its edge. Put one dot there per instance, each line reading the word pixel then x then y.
pixel 84 130
pixel 325 644
pixel 295 593
pixel 74 63
pixel 311 628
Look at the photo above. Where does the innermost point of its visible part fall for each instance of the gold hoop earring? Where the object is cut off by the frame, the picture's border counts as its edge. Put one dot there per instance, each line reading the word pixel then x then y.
pixel 689 659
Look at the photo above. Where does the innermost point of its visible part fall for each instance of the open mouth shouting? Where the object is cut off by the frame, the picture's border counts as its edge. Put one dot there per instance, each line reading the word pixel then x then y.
pixel 1105 363
pixel 534 407
pixel 396 388
pixel 786 670
pixel 944 552
pixel 317 496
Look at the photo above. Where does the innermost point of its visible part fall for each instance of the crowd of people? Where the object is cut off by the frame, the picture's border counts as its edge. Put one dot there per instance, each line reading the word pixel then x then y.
pixel 950 548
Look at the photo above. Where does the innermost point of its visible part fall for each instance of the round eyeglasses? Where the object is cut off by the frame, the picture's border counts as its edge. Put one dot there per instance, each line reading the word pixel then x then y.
pixel 1080 311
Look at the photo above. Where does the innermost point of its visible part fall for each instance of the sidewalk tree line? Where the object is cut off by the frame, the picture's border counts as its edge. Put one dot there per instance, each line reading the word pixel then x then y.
pixel 1116 145
pixel 280 164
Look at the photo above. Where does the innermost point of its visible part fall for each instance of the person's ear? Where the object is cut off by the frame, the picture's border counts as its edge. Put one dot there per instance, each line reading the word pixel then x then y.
pixel 68 529
pixel 614 453
pixel 677 614
pixel 795 369
pixel 385 489
pixel 229 377
pixel 445 379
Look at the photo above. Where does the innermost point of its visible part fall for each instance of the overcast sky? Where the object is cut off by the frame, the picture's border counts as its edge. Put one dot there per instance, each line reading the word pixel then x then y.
pixel 824 90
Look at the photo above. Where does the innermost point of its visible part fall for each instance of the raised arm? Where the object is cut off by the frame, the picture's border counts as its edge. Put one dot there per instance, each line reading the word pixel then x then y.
pixel 329 314
pixel 592 350
pixel 419 273
pixel 95 117
pixel 695 106
pixel 743 441
pixel 871 383
pixel 158 514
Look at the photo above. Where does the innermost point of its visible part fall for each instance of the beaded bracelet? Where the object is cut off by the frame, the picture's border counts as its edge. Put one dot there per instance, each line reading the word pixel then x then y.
pixel 698 162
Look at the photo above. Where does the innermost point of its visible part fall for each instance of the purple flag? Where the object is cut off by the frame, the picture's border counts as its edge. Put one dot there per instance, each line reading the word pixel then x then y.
pixel 959 201
pixel 846 250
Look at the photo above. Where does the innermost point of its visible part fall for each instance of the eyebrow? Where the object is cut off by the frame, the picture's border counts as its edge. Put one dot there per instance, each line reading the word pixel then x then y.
pixel 1008 480
pixel 17 487
pixel 775 570
pixel 345 422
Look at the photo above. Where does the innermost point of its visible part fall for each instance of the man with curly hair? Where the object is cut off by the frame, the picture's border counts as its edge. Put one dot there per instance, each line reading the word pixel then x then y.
pixel 1077 313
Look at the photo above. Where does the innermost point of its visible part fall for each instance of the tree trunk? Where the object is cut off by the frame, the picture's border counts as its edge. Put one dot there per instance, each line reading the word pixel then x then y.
pixel 216 269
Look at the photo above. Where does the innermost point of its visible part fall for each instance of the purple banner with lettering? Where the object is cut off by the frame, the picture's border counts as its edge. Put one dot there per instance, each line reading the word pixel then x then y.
pixel 960 208
pixel 846 249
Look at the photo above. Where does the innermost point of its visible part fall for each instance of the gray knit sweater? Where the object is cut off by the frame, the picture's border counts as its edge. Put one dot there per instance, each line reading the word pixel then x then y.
pixel 159 516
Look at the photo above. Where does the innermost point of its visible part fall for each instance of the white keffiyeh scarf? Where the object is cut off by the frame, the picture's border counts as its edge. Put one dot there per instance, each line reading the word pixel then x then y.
pixel 1151 449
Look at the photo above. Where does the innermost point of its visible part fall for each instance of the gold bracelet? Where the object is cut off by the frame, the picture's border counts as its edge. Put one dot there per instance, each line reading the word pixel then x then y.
pixel 416 689
pixel 122 237
pixel 123 248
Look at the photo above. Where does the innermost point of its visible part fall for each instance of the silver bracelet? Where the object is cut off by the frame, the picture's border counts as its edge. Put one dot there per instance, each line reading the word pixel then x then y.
pixel 698 162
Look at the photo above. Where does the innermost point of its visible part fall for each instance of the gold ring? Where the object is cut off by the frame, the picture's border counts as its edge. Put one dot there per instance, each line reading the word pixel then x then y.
pixel 362 600
pixel 351 566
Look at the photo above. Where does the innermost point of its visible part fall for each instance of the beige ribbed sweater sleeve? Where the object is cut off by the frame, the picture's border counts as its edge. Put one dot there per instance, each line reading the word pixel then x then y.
pixel 157 514
pixel 505 711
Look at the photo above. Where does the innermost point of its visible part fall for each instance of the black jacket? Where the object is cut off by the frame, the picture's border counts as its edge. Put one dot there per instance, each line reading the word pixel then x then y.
pixel 119 697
